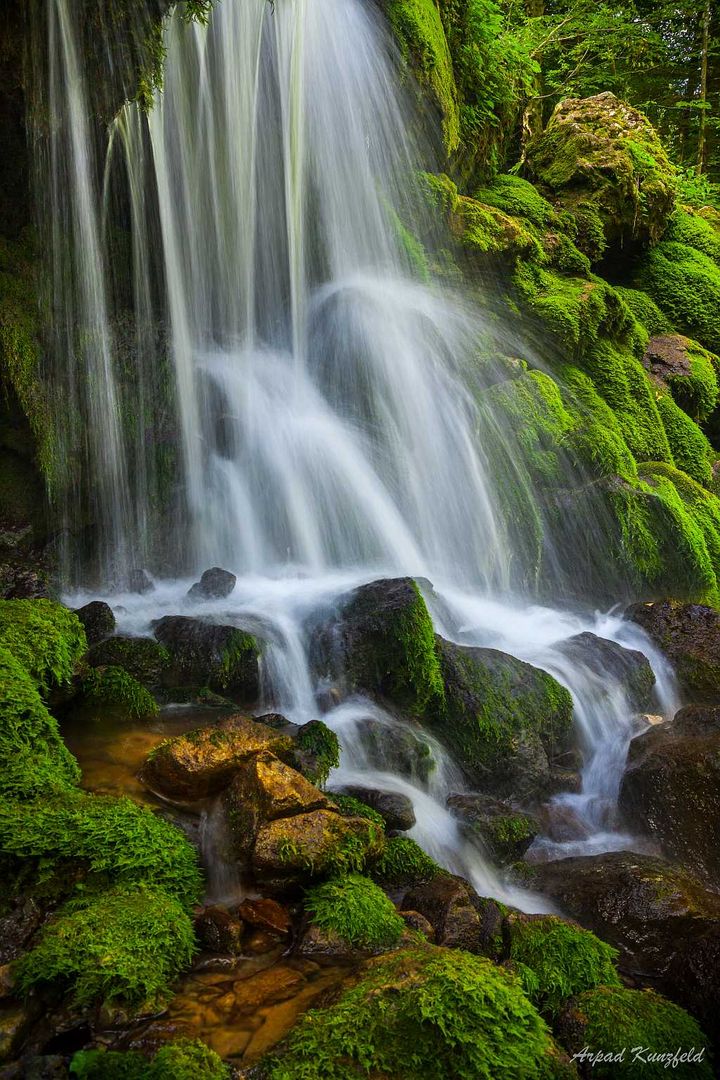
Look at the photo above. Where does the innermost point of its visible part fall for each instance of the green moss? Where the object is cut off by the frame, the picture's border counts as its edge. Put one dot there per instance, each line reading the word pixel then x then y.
pixel 685 283
pixel 459 1012
pixel 644 309
pixel 19 347
pixel 143 658
pixel 613 1019
pixel 421 38
pixel 113 687
pixel 687 227
pixel 690 448
pixel 557 960
pixel 35 759
pixel 45 637
pixel 114 839
pixel 352 807
pixel 403 862
pixel 181 1059
pixel 520 198
pixel 124 943
pixel 355 909
pixel 486 230
pixel 318 745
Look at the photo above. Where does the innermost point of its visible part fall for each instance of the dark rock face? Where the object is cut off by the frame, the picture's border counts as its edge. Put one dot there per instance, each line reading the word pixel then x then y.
pixel 689 635
pixel 505 832
pixel 97 619
pixel 395 809
pixel 397 749
pixel 143 658
pixel 671 788
pixel 214 584
pixel 219 930
pixel 664 921
pixel 459 917
pixel 139 581
pixel 222 658
pixel 630 667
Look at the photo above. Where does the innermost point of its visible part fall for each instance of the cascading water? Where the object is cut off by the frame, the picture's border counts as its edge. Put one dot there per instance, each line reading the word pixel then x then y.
pixel 320 424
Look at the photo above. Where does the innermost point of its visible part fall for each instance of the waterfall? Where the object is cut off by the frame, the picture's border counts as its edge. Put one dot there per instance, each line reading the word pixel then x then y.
pixel 303 401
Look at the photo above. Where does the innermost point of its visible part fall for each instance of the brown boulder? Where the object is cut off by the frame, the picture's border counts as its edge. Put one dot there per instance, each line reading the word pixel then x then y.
pixel 459 917
pixel 664 922
pixel 219 930
pixel 202 762
pixel 267 915
pixel 671 788
pixel 689 635
pixel 292 850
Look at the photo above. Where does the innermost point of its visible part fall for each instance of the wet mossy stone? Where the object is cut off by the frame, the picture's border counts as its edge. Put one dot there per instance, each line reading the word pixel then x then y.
pixel 687 370
pixel 395 809
pixel 643 1035
pixel 125 943
pixel 689 635
pixel 180 1059
pixel 462 1013
pixel 601 152
pixel 113 688
pixel 45 637
pixel 223 658
pixel 629 667
pixel 556 960
pixel 685 283
pixel 501 717
pixel 97 619
pixel 143 658
pixel 402 864
pixel 316 751
pixel 505 832
pixel 357 910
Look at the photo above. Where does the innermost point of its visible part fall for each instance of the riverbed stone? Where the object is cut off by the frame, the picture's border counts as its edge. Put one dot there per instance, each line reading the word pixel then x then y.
pixel 292 850
pixel 630 667
pixel 394 808
pixel 202 762
pixel 505 831
pixel 459 917
pixel 671 788
pixel 689 635
pixel 98 620
pixel 142 657
pixel 223 658
pixel 214 584
pixel 219 930
pixel 663 920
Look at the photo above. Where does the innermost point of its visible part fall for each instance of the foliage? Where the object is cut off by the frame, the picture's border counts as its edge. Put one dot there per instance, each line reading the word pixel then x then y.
pixel 403 862
pixel 461 1012
pixel 143 658
pixel 612 1018
pixel 319 745
pixel 124 943
pixel 45 637
pixel 355 909
pixel 181 1059
pixel 116 839
pixel 685 283
pixel 349 806
pixel 557 960
pixel 112 686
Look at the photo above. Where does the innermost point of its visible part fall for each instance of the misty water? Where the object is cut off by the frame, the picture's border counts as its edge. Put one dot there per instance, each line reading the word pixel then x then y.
pixel 303 400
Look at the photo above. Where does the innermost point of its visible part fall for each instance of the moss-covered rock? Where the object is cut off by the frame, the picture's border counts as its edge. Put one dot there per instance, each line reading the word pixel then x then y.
pixel 223 658
pixel 143 658
pixel 45 637
pixel 317 751
pixel 504 831
pixel 460 1012
pixel 181 1059
pixel 123 943
pixel 600 154
pixel 630 1027
pixel 556 960
pixel 687 370
pixel 403 863
pixel 355 909
pixel 113 688
pixel 685 283
pixel 689 635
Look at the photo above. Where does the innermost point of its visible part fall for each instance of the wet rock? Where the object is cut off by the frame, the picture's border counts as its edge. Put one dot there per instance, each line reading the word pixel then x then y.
pixel 219 930
pixel 97 619
pixel 664 921
pixel 20 921
pixel 142 657
pixel 223 658
pixel 315 942
pixel 15 1021
pixel 606 658
pixel 278 983
pixel 20 582
pixel 417 922
pixel 262 789
pixel 397 748
pixel 7 981
pixel 395 809
pixel 267 915
pixel 504 720
pixel 459 917
pixel 505 832
pixel 671 788
pixel 689 635
pixel 293 850
pixel 202 762
pixel 213 585
pixel 139 581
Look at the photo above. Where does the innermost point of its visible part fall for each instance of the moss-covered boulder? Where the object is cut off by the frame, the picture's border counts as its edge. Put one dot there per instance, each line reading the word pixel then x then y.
pixel 202 762
pixel 671 788
pixel 685 283
pixel 556 959
pixel 462 1013
pixel 293 850
pixel 689 635
pixel 687 370
pixel 502 829
pixel 632 1034
pixel 503 719
pixel 403 863
pixel 355 910
pixel 600 158
pixel 663 921
pixel 112 689
pixel 180 1059
pixel 142 657
pixel 222 658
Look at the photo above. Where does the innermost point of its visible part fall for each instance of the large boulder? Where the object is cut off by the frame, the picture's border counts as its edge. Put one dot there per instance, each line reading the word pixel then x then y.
pixel 262 789
pixel 604 658
pixel 504 720
pixel 202 762
pixel 689 635
pixel 223 658
pixel 143 658
pixel 671 788
pixel 290 851
pixel 459 917
pixel 603 161
pixel 664 921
